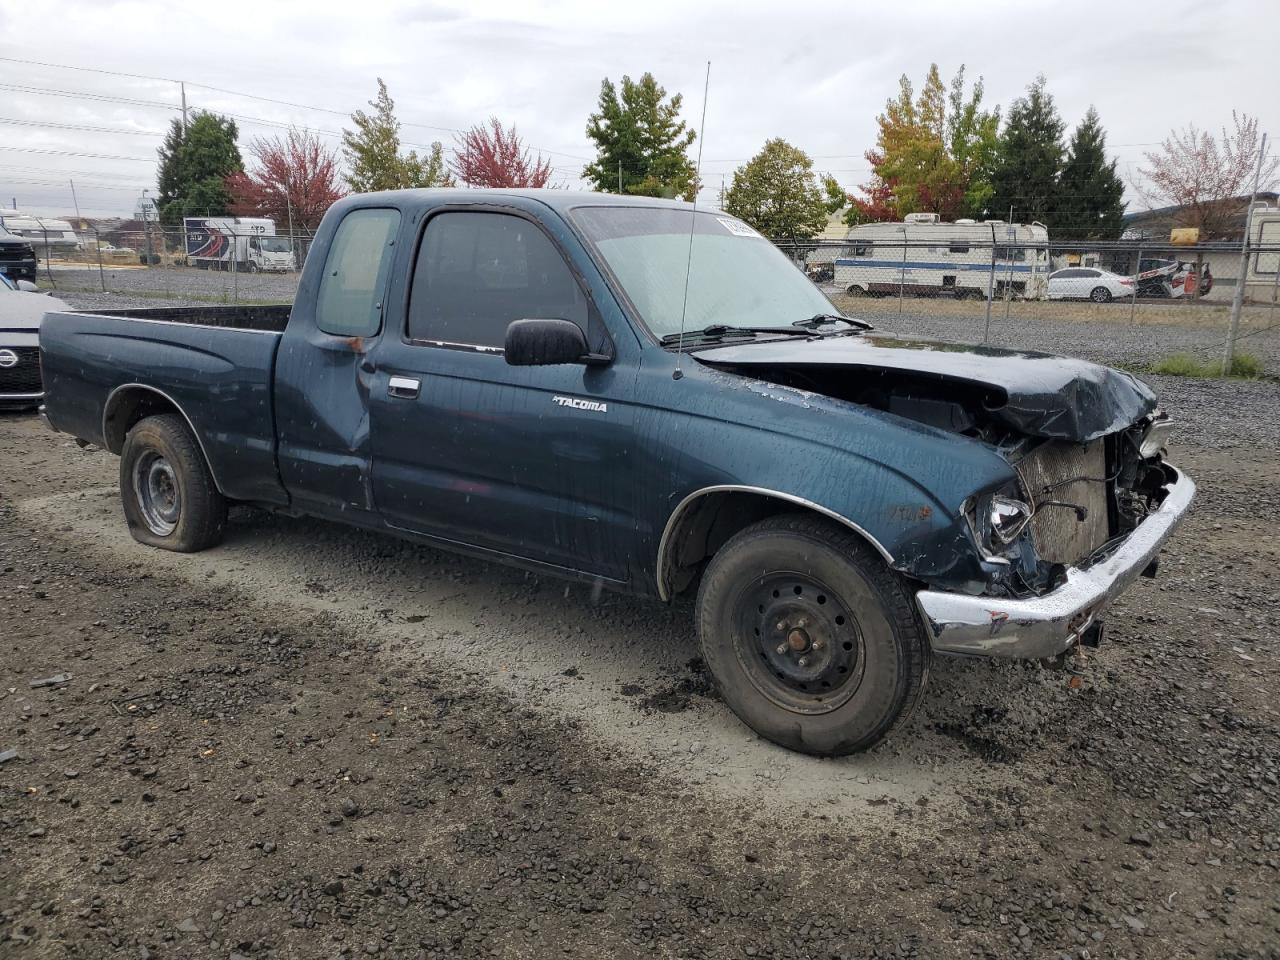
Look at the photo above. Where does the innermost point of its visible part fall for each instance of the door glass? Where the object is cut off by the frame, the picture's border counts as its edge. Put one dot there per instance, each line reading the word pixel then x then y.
pixel 349 303
pixel 477 272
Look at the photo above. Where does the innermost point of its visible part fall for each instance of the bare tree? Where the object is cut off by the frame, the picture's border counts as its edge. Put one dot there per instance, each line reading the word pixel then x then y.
pixel 1205 177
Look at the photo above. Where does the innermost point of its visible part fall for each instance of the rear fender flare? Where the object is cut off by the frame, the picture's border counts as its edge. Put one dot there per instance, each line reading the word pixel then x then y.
pixel 113 433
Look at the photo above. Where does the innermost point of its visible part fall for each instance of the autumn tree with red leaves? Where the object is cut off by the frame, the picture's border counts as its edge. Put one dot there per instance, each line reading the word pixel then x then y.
pixel 295 178
pixel 488 155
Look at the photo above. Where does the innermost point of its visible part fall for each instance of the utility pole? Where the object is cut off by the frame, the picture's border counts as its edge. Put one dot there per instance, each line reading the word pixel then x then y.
pixel 183 87
pixel 146 226
pixel 619 176
pixel 1237 301
pixel 73 198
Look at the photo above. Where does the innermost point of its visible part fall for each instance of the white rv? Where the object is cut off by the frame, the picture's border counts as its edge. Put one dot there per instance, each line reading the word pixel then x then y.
pixel 1264 261
pixel 47 236
pixel 927 257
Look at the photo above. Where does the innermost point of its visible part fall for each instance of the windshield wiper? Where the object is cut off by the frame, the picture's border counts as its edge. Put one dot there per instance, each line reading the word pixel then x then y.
pixel 822 319
pixel 718 331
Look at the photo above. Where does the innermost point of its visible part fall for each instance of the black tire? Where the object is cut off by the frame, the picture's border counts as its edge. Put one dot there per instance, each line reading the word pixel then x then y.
pixel 170 500
pixel 252 267
pixel 855 291
pixel 1100 295
pixel 856 660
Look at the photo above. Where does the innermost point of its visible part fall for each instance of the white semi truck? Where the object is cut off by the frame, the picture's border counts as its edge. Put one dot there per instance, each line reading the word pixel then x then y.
pixel 248 244
pixel 924 256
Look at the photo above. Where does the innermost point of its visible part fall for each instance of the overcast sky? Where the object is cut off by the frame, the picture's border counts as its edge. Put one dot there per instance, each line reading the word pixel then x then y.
pixel 815 74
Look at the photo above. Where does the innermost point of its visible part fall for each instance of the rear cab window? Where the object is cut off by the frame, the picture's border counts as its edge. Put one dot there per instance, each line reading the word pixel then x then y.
pixel 354 284
pixel 476 272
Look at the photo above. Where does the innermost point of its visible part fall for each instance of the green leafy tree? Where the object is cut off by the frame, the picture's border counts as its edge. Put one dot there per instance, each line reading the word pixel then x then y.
pixel 640 142
pixel 973 139
pixel 933 152
pixel 429 170
pixel 1029 159
pixel 835 199
pixel 194 166
pixel 1090 194
pixel 372 152
pixel 777 193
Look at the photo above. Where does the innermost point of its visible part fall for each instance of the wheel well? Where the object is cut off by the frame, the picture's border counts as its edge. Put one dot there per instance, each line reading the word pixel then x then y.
pixel 704 523
pixel 128 407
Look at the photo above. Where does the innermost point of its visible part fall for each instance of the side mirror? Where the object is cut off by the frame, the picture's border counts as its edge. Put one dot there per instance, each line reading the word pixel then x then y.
pixel 536 343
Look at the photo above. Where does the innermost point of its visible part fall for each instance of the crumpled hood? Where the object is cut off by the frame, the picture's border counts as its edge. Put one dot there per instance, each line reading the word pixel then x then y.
pixel 1036 393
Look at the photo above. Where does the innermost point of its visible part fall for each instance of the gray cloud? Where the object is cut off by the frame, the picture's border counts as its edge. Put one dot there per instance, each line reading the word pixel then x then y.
pixel 817 76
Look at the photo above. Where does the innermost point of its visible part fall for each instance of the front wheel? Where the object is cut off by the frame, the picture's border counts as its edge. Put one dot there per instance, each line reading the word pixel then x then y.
pixel 169 497
pixel 1100 295
pixel 811 639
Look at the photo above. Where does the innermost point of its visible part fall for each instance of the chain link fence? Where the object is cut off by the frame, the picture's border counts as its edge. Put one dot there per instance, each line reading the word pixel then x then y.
pixel 996 283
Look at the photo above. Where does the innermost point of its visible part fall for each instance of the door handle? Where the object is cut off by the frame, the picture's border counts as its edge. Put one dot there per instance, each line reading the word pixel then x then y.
pixel 405 388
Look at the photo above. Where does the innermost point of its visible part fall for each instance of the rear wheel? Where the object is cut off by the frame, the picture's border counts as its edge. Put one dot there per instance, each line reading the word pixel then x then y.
pixel 855 291
pixel 812 641
pixel 169 497
pixel 1100 295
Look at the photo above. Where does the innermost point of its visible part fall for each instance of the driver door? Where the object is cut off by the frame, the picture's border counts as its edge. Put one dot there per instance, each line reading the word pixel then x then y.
pixel 471 450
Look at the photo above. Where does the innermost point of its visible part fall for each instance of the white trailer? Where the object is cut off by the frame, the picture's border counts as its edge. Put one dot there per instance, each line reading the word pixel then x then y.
pixel 1263 272
pixel 927 257
pixel 249 244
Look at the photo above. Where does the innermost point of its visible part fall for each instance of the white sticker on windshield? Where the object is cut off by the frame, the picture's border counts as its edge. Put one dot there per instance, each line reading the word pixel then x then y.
pixel 736 228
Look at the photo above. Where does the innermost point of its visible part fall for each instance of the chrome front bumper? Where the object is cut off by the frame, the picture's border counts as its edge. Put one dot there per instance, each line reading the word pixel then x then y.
pixel 1046 626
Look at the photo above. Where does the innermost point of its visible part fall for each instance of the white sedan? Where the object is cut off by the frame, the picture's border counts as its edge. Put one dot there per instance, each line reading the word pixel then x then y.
pixel 1089 283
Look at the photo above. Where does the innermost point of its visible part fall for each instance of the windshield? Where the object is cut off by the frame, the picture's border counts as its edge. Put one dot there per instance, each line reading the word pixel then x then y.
pixel 274 244
pixel 736 278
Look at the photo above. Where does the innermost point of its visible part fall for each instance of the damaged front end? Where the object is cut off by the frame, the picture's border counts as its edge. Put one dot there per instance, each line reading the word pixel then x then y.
pixel 1070 505
pixel 1029 563
pixel 1091 519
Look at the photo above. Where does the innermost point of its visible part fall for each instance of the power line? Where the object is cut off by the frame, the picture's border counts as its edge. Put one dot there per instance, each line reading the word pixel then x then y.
pixel 79 126
pixel 75 153
pixel 234 93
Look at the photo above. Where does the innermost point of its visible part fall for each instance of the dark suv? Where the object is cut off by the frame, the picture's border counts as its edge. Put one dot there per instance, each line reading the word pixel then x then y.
pixel 17 257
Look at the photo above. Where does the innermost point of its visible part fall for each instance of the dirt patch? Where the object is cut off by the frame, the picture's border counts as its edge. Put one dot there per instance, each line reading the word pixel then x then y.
pixel 431 758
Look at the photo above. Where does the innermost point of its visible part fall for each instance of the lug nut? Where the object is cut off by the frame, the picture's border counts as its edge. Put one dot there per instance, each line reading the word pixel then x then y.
pixel 782 648
pixel 803 661
pixel 817 644
pixel 782 625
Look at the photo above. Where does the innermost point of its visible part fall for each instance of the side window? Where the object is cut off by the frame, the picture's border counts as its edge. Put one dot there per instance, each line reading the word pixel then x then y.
pixel 959 248
pixel 349 303
pixel 477 272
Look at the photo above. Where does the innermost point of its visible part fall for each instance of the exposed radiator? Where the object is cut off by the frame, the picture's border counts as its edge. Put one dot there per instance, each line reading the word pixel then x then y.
pixel 1070 473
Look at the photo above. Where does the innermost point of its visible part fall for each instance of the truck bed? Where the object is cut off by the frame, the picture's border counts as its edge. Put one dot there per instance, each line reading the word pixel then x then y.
pixel 213 364
pixel 271 318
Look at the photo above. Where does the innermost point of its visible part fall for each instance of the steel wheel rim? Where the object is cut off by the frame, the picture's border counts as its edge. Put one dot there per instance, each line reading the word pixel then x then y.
pixel 799 643
pixel 155 487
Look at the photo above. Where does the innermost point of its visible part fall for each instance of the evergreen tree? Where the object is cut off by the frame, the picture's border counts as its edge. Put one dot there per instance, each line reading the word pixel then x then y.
pixel 778 194
pixel 1090 194
pixel 194 166
pixel 372 152
pixel 1029 159
pixel 640 142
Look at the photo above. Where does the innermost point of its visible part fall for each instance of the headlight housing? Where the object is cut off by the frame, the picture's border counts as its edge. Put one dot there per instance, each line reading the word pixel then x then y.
pixel 997 520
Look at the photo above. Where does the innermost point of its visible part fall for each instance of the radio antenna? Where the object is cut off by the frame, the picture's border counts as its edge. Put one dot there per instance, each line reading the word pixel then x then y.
pixel 693 217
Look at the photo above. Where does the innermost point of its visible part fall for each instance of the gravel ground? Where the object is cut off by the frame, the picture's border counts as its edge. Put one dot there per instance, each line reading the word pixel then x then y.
pixel 311 742
pixel 178 283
